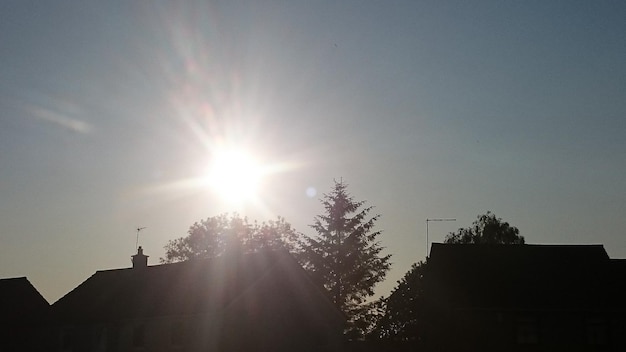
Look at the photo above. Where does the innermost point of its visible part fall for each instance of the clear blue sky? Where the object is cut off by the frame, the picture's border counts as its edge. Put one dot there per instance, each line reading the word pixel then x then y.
pixel 425 108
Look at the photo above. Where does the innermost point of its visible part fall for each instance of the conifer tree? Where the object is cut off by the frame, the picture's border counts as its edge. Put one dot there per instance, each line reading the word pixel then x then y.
pixel 345 255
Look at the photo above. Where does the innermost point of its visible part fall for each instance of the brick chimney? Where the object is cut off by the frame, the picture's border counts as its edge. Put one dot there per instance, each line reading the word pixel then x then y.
pixel 140 260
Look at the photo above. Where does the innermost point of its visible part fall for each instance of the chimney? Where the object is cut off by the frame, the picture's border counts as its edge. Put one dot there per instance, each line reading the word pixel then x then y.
pixel 140 260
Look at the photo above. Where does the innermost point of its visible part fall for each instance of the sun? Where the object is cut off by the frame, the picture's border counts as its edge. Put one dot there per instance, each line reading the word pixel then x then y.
pixel 234 175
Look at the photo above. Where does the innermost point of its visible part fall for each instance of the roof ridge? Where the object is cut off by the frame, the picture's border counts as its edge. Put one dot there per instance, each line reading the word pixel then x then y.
pixel 15 278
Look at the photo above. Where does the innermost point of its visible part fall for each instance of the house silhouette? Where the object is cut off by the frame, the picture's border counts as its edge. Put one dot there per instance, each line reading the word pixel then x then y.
pixel 523 298
pixel 260 301
pixel 24 316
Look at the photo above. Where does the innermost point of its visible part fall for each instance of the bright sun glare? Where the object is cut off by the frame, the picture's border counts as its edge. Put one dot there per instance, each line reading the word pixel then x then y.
pixel 234 175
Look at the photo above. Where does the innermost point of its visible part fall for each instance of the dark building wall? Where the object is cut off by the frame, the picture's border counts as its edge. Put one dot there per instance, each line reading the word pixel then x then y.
pixel 161 334
pixel 495 330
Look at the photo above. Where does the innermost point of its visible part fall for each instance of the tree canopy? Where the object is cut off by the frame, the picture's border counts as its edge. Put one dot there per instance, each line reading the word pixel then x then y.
pixel 345 255
pixel 211 237
pixel 487 229
pixel 400 320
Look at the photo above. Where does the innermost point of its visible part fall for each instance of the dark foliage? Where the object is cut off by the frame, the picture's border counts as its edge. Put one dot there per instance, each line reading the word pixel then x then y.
pixel 345 256
pixel 402 308
pixel 487 229
pixel 211 237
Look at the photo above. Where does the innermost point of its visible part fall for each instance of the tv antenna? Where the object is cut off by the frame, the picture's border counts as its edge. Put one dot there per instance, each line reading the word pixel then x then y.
pixel 429 220
pixel 137 239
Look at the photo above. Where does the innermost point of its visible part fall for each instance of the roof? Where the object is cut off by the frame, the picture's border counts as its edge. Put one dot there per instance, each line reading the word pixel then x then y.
pixel 20 301
pixel 469 276
pixel 193 287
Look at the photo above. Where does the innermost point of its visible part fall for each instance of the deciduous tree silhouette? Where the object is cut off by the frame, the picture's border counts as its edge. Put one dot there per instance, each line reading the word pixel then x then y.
pixel 401 318
pixel 211 237
pixel 487 229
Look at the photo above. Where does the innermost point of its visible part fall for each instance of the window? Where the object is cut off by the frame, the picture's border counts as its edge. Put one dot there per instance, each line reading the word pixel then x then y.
pixel 527 331
pixel 597 332
pixel 177 334
pixel 139 336
pixel 101 338
pixel 67 340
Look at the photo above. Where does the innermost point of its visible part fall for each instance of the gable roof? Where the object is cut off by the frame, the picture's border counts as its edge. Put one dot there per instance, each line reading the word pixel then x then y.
pixel 20 301
pixel 192 287
pixel 562 277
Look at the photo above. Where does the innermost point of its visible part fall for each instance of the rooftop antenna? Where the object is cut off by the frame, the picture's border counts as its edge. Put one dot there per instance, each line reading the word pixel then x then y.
pixel 137 239
pixel 429 220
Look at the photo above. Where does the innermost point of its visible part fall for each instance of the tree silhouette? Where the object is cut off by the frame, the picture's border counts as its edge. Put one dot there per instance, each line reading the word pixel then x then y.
pixel 345 256
pixel 211 237
pixel 487 229
pixel 400 320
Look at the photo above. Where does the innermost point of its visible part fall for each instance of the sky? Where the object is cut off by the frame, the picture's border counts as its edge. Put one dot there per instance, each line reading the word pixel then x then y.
pixel 112 112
